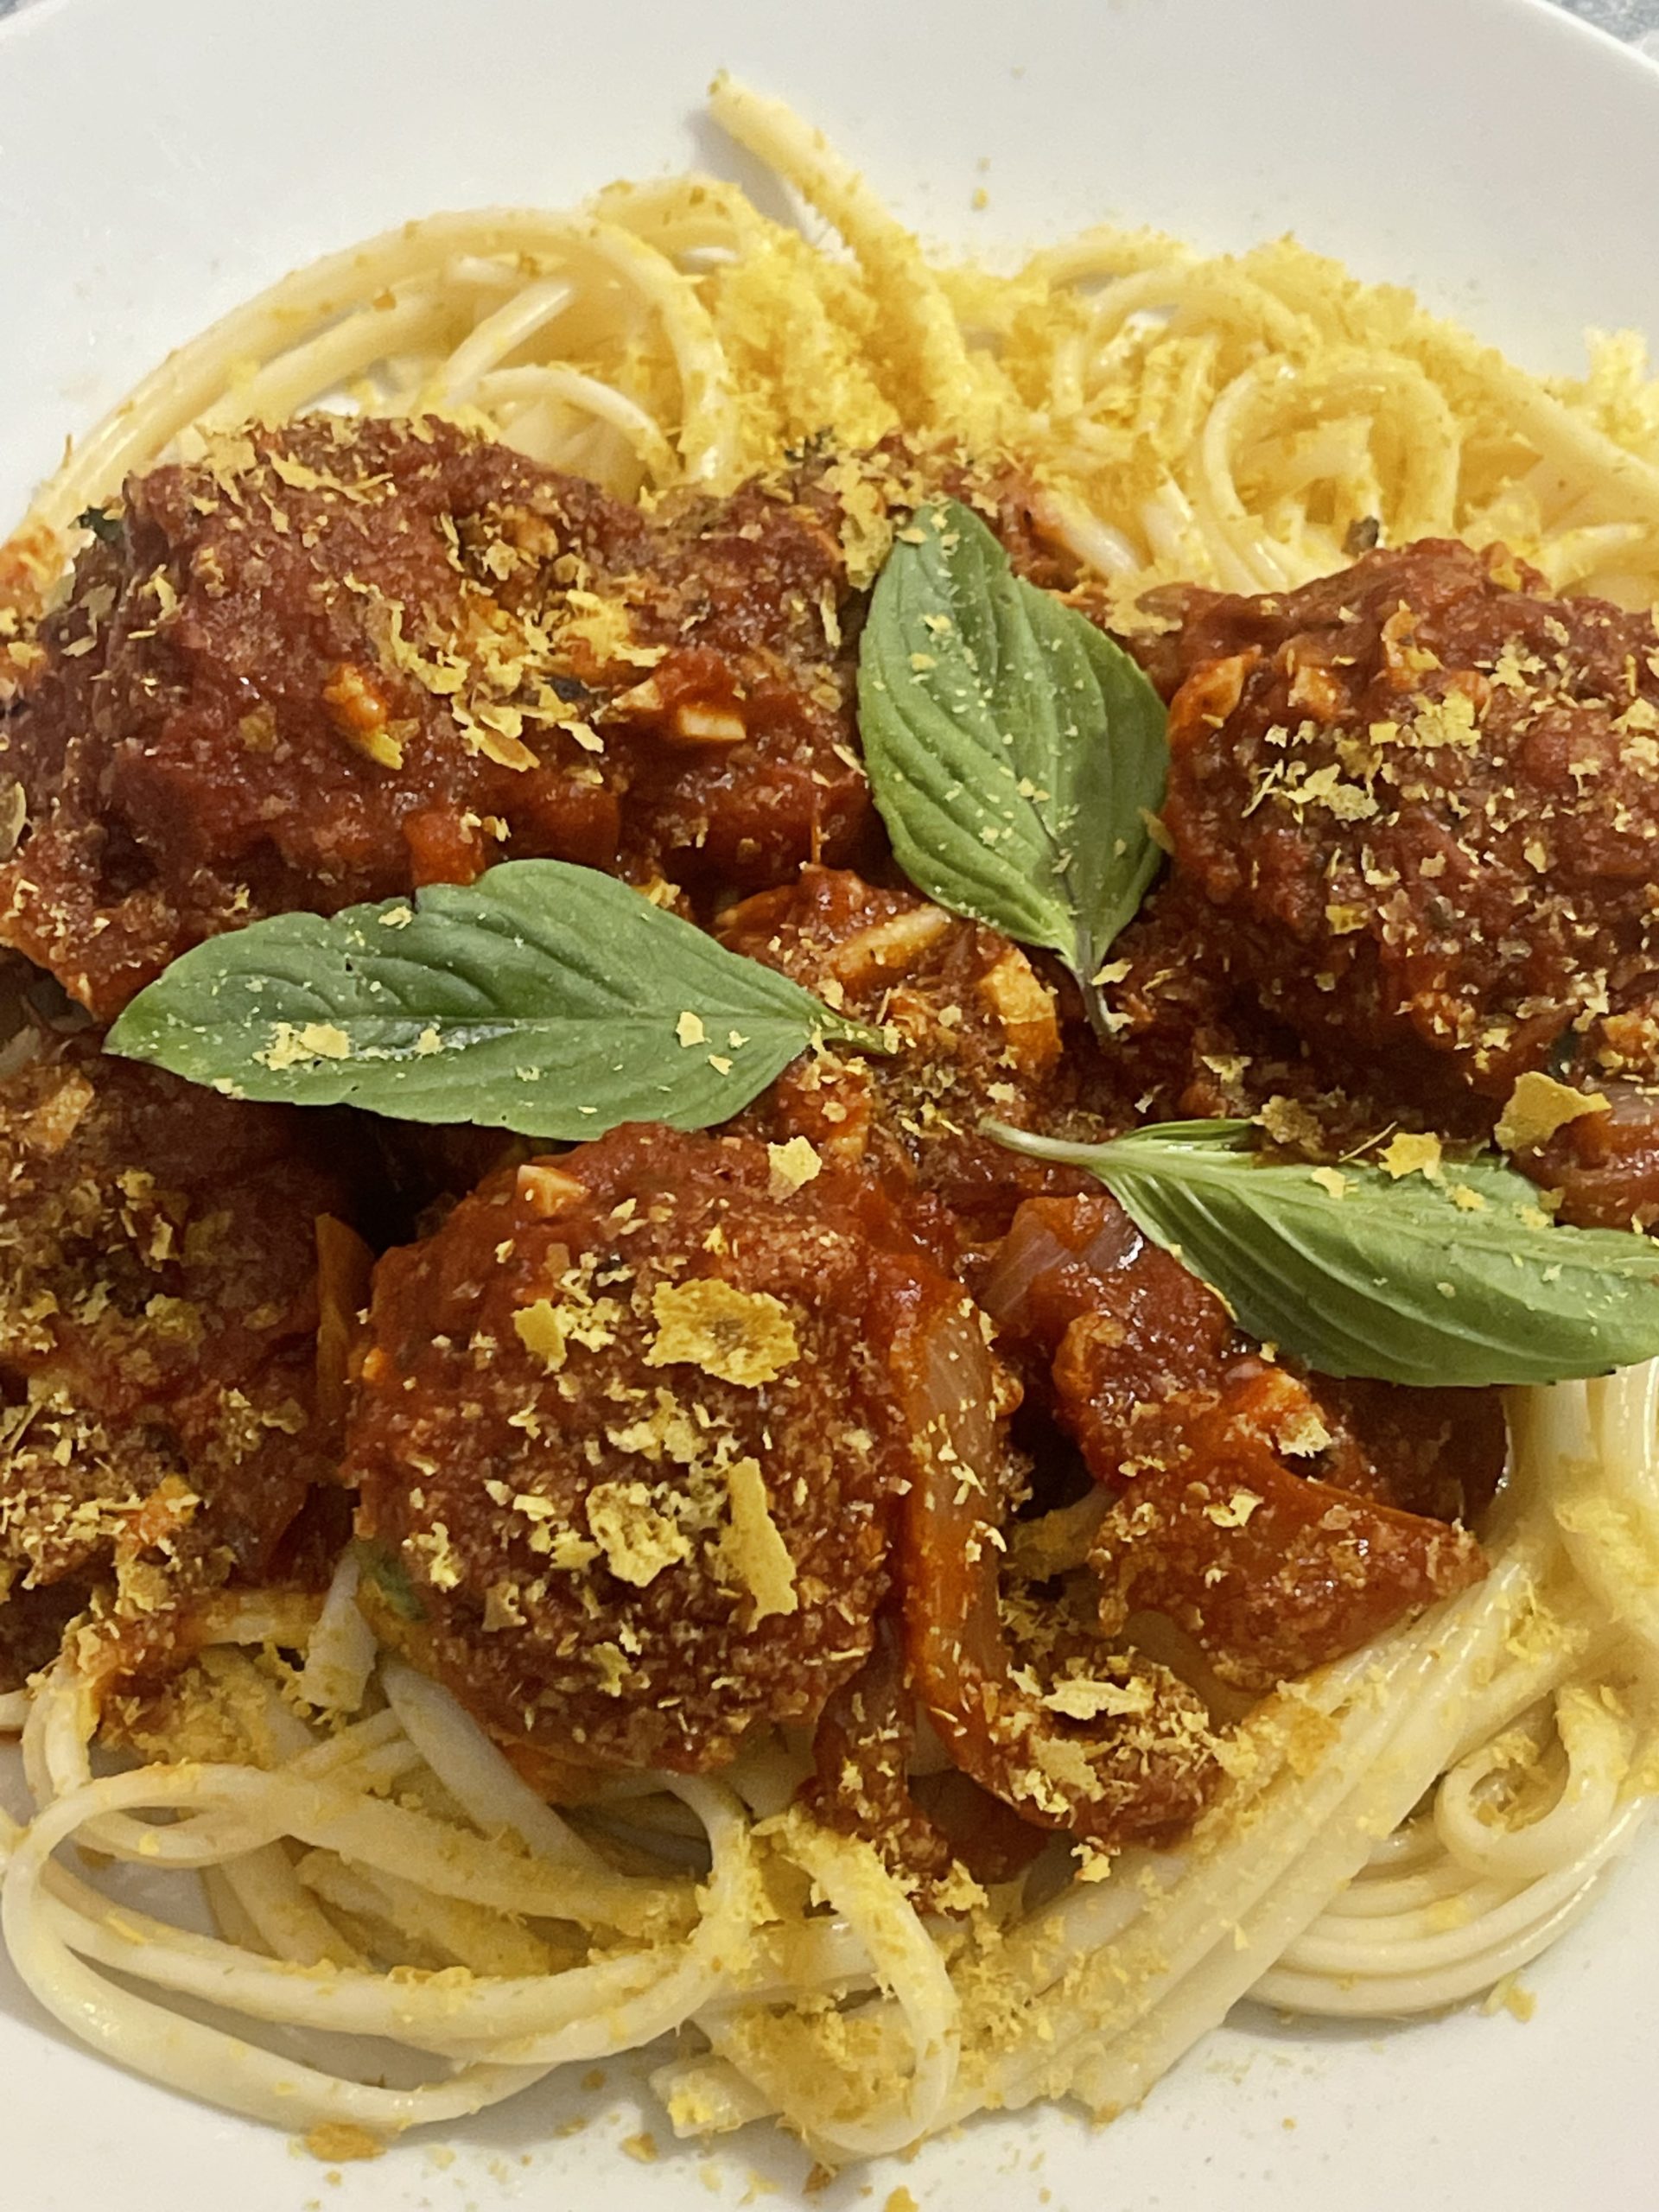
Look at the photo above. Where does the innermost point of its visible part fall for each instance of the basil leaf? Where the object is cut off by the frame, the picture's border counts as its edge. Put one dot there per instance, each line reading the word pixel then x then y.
pixel 544 998
pixel 1015 754
pixel 1403 1281
pixel 108 528
pixel 390 1577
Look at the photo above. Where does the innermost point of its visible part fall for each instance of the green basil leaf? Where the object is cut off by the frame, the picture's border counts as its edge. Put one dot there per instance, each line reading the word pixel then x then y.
pixel 108 528
pixel 544 998
pixel 1401 1281
pixel 1014 751
pixel 390 1577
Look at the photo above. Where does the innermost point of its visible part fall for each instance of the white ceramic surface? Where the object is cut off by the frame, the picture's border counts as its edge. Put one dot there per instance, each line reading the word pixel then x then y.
pixel 159 161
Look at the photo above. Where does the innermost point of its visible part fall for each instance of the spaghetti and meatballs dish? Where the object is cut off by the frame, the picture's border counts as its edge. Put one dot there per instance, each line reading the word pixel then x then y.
pixel 828 1150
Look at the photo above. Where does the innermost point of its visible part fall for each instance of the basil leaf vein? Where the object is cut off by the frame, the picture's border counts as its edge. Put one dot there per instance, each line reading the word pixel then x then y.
pixel 1015 754
pixel 544 998
pixel 1393 1279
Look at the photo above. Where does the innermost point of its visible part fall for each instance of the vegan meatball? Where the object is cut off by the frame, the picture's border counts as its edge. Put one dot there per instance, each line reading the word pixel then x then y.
pixel 1425 797
pixel 628 1431
pixel 158 1340
pixel 334 659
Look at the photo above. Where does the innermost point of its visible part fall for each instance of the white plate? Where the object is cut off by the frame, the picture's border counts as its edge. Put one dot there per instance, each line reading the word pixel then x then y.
pixel 158 163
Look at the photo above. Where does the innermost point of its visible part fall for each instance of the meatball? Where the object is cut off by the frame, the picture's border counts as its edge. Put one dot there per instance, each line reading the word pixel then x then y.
pixel 334 659
pixel 1189 1040
pixel 980 1037
pixel 1280 1521
pixel 1603 1165
pixel 1270 1571
pixel 158 1340
pixel 32 1621
pixel 1426 797
pixel 627 1430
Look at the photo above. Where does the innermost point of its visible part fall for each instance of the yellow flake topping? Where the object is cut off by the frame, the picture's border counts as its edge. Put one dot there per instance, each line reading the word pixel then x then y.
pixel 744 1337
pixel 638 1541
pixel 1079 1699
pixel 1235 1511
pixel 539 1329
pixel 339 2142
pixel 314 1040
pixel 1538 1106
pixel 791 1166
pixel 753 1552
pixel 606 627
pixel 1411 1155
pixel 1302 1438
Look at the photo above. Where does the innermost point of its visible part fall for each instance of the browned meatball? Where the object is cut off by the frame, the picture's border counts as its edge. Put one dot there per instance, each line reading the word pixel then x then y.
pixel 32 1622
pixel 1124 1330
pixel 1270 1571
pixel 1605 1165
pixel 1281 1522
pixel 1191 1039
pixel 630 1425
pixel 334 659
pixel 1426 802
pixel 158 1320
pixel 981 1038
